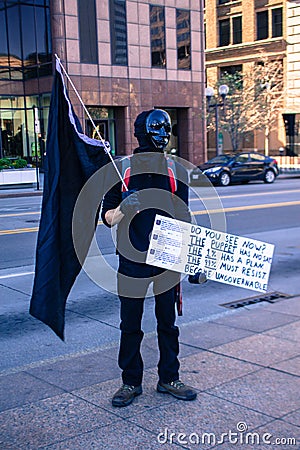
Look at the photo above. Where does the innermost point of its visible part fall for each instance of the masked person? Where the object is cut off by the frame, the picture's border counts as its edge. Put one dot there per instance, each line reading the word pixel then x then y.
pixel 153 188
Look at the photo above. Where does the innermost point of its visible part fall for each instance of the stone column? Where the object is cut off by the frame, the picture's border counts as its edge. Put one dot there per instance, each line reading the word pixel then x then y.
pixel 58 28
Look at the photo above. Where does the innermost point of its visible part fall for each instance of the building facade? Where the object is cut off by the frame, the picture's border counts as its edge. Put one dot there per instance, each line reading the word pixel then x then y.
pixel 123 57
pixel 292 105
pixel 237 32
pixel 25 74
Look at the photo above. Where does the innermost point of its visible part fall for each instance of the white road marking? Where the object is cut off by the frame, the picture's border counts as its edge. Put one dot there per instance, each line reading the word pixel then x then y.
pixel 13 275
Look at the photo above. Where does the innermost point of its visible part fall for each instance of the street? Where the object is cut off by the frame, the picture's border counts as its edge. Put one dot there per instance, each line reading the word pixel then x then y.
pixel 270 213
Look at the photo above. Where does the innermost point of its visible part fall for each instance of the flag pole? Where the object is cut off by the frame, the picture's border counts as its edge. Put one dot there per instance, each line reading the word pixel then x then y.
pixel 92 122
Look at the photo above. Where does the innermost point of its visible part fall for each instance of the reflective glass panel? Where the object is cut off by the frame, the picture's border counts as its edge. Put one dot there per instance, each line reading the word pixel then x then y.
pixel 3 40
pixel 43 41
pixel 88 40
pixel 41 32
pixel 4 63
pixel 28 35
pixel 157 35
pixel 183 32
pixel 13 24
pixel 118 32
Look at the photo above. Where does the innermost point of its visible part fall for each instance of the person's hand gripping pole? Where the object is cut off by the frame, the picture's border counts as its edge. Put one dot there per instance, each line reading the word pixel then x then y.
pixel 130 203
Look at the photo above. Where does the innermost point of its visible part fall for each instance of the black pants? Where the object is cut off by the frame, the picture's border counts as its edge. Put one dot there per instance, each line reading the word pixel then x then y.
pixel 133 281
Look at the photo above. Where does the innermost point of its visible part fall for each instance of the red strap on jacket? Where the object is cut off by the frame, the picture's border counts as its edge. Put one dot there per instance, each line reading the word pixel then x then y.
pixel 173 181
pixel 126 178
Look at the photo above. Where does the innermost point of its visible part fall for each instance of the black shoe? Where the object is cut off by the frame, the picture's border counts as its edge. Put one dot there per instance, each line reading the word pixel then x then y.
pixel 177 389
pixel 125 395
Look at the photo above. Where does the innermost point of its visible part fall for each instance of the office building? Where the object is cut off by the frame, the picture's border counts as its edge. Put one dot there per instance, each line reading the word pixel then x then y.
pixel 122 56
pixel 237 33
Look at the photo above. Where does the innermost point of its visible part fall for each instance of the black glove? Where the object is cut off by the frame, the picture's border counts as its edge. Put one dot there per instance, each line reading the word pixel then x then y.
pixel 130 203
pixel 197 278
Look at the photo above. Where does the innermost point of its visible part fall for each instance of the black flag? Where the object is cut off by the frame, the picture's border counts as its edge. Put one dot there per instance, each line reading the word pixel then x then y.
pixel 71 159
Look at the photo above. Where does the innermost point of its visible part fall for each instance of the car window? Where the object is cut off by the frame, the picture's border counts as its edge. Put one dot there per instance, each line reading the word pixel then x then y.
pixel 242 158
pixel 219 159
pixel 256 157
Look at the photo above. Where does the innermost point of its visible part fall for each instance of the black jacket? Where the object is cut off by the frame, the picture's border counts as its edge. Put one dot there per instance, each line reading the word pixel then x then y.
pixel 149 176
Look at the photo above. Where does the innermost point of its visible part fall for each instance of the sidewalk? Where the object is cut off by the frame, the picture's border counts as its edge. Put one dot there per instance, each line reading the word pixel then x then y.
pixel 244 365
pixel 21 191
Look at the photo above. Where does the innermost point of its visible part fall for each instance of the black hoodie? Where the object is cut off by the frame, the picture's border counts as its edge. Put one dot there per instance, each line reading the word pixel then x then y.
pixel 149 176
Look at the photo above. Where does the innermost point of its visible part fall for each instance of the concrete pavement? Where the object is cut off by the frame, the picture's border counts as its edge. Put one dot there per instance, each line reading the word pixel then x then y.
pixel 244 365
pixel 24 191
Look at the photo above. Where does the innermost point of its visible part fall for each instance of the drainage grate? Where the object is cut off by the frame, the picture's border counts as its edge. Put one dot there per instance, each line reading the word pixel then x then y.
pixel 32 221
pixel 270 298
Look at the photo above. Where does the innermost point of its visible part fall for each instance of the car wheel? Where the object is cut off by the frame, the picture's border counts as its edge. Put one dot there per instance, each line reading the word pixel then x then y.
pixel 269 176
pixel 225 179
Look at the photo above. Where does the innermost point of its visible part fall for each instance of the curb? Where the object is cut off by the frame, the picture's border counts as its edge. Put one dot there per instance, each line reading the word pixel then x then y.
pixel 20 194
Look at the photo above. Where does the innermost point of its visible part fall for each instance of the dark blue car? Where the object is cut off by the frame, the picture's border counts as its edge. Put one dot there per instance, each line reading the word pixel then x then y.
pixel 239 167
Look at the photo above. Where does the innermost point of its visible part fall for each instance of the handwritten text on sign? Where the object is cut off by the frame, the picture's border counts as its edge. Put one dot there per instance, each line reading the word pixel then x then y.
pixel 187 248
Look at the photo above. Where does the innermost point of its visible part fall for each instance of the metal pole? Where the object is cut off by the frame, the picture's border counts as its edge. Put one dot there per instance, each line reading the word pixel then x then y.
pixel 217 128
pixel 35 115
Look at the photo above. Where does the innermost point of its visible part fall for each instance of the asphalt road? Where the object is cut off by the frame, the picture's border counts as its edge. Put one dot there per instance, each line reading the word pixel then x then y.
pixel 270 213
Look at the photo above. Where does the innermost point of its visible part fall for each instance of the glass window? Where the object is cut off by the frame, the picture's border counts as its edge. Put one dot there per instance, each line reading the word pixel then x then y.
pixel 276 22
pixel 224 32
pixel 28 41
pixel 4 72
pixel 118 32
pixel 157 36
pixel 4 63
pixel 262 25
pixel 257 157
pixel 222 159
pixel 28 35
pixel 242 158
pixel 88 41
pixel 231 70
pixel 232 74
pixel 25 44
pixel 104 119
pixel 3 40
pixel 14 41
pixel 221 2
pixel 237 30
pixel 14 130
pixel 183 32
pixel 42 41
pixel 44 48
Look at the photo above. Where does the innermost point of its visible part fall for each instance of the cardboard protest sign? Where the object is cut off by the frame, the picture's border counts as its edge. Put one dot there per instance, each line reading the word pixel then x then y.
pixel 226 258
